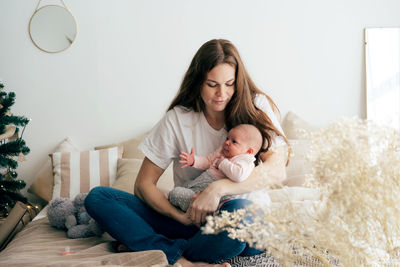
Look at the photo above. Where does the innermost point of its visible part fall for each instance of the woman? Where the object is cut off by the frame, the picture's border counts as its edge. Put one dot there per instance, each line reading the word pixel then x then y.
pixel 216 94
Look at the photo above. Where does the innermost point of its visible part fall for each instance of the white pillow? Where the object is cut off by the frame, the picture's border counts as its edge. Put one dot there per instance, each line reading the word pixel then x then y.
pixel 298 166
pixel 294 194
pixel 78 172
pixel 293 126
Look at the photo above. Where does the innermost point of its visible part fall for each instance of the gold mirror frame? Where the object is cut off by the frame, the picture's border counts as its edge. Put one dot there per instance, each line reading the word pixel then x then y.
pixel 52 28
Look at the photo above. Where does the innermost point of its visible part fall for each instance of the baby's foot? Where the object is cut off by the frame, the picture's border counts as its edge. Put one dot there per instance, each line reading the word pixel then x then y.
pixel 119 247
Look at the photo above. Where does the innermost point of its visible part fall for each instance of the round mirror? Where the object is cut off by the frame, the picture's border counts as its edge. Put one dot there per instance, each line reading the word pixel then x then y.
pixel 52 28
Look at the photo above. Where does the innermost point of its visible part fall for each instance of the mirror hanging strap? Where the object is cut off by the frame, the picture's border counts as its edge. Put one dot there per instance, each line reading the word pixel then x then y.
pixel 62 2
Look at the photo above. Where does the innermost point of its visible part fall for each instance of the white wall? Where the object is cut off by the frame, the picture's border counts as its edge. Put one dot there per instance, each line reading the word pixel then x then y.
pixel 129 57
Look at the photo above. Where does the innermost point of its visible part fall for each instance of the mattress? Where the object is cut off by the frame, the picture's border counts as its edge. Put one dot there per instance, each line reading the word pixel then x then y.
pixel 39 244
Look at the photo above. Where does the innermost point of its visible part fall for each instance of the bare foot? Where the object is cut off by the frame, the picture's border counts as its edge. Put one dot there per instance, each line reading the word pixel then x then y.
pixel 119 247
pixel 185 263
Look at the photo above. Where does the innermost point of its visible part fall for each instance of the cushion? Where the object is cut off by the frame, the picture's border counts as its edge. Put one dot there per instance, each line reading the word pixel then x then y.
pixel 78 172
pixel 299 167
pixel 43 182
pixel 293 126
pixel 127 173
pixel 129 146
pixel 294 194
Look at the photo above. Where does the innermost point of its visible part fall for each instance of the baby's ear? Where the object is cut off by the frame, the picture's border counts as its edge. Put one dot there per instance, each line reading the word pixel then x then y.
pixel 250 150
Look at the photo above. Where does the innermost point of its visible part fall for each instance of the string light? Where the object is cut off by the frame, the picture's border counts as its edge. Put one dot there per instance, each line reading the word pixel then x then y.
pixel 11 187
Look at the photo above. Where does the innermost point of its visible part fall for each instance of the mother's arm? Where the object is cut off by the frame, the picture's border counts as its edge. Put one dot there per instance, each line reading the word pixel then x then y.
pixel 270 173
pixel 146 190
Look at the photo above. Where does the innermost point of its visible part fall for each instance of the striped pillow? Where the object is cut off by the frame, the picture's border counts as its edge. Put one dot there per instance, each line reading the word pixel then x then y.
pixel 78 172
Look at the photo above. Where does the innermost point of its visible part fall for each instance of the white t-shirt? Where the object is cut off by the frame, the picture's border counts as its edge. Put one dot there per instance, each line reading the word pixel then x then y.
pixel 181 129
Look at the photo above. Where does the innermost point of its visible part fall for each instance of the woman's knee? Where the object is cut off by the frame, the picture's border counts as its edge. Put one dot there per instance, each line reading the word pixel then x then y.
pixel 95 195
pixel 235 204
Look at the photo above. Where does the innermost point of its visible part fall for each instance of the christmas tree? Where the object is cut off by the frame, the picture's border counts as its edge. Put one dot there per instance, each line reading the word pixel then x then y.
pixel 12 150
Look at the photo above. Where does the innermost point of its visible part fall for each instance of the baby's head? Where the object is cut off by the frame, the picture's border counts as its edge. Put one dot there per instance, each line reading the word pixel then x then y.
pixel 242 139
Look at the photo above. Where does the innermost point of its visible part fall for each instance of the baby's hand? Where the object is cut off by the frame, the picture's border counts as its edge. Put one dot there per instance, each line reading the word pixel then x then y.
pixel 219 160
pixel 187 159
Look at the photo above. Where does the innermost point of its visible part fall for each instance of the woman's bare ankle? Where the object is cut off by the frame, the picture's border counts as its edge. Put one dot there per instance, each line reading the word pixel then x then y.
pixel 185 263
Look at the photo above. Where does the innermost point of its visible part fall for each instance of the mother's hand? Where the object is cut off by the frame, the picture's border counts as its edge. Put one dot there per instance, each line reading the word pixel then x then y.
pixel 203 204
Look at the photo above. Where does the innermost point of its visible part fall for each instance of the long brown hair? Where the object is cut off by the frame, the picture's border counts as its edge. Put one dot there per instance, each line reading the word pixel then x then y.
pixel 240 108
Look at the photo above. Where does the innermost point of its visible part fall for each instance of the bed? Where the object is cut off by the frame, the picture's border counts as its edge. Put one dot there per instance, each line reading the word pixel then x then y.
pixel 39 244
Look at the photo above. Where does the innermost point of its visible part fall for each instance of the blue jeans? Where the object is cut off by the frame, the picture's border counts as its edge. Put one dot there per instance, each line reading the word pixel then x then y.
pixel 135 224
